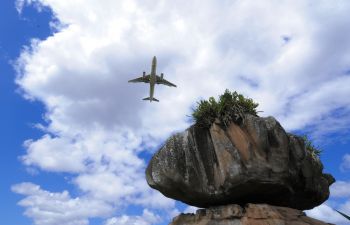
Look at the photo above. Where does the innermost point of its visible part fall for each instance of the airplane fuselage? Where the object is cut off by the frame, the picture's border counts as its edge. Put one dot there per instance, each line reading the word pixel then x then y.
pixel 153 78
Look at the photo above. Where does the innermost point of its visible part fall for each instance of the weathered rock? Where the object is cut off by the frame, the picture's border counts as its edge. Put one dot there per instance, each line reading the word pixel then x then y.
pixel 251 214
pixel 254 162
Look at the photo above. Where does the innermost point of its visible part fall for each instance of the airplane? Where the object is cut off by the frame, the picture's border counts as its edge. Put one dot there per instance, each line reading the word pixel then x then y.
pixel 152 79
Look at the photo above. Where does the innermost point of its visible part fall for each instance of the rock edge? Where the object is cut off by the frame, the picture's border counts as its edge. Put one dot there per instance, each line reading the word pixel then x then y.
pixel 251 214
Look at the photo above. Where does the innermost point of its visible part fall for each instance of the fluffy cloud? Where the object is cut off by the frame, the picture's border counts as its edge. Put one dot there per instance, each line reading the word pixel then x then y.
pixel 340 189
pixel 62 156
pixel 48 208
pixel 327 214
pixel 292 61
pixel 345 165
pixel 20 4
pixel 190 209
pixel 301 81
pixel 147 218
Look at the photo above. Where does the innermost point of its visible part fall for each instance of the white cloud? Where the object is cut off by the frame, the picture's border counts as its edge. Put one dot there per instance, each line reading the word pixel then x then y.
pixel 20 4
pixel 47 208
pixel 190 209
pixel 345 208
pixel 340 189
pixel 153 199
pixel 54 154
pixel 292 61
pixel 345 165
pixel 147 218
pixel 109 186
pixel 291 83
pixel 327 214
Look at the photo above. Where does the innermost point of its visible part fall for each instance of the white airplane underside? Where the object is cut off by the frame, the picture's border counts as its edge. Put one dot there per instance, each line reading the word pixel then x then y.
pixel 152 79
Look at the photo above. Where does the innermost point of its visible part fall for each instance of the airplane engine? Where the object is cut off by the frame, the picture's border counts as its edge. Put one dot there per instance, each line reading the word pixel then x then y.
pixel 144 73
pixel 161 76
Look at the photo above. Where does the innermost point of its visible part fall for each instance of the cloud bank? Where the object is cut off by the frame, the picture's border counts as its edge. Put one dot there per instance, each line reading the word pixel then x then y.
pixel 292 57
pixel 339 200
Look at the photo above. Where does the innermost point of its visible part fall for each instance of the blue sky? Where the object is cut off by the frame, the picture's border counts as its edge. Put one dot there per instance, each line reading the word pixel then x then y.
pixel 74 133
pixel 17 114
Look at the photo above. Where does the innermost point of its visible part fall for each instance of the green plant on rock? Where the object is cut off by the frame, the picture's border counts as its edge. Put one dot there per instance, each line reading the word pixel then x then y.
pixel 315 151
pixel 230 107
pixel 206 112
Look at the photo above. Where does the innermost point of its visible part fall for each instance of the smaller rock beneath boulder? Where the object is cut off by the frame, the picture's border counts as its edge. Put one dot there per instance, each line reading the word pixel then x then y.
pixel 251 214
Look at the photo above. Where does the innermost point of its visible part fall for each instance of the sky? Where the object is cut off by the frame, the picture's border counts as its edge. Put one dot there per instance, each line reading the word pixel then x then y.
pixel 76 137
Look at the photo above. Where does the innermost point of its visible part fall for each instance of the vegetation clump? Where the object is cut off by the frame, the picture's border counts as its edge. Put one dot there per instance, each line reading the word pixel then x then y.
pixel 315 151
pixel 230 107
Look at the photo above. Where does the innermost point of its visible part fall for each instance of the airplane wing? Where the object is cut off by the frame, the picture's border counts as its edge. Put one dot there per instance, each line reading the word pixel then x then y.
pixel 145 79
pixel 165 82
pixel 343 214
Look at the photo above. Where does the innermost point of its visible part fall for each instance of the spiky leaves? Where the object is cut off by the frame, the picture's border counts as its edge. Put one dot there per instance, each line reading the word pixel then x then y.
pixel 230 107
pixel 315 151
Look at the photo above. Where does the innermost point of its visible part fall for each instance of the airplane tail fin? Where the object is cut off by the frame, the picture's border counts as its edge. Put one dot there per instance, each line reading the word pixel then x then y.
pixel 153 99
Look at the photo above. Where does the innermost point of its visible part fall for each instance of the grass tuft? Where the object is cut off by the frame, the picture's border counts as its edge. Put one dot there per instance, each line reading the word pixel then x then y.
pixel 231 107
pixel 315 151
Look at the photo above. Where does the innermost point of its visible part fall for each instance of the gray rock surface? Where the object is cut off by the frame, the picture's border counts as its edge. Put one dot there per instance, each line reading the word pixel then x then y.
pixel 251 214
pixel 254 162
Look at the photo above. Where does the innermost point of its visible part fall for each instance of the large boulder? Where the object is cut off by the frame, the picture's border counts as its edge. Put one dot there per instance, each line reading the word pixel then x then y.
pixel 251 214
pixel 253 162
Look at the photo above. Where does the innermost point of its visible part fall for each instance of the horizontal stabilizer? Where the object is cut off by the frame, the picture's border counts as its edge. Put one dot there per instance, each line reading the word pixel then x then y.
pixel 153 99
